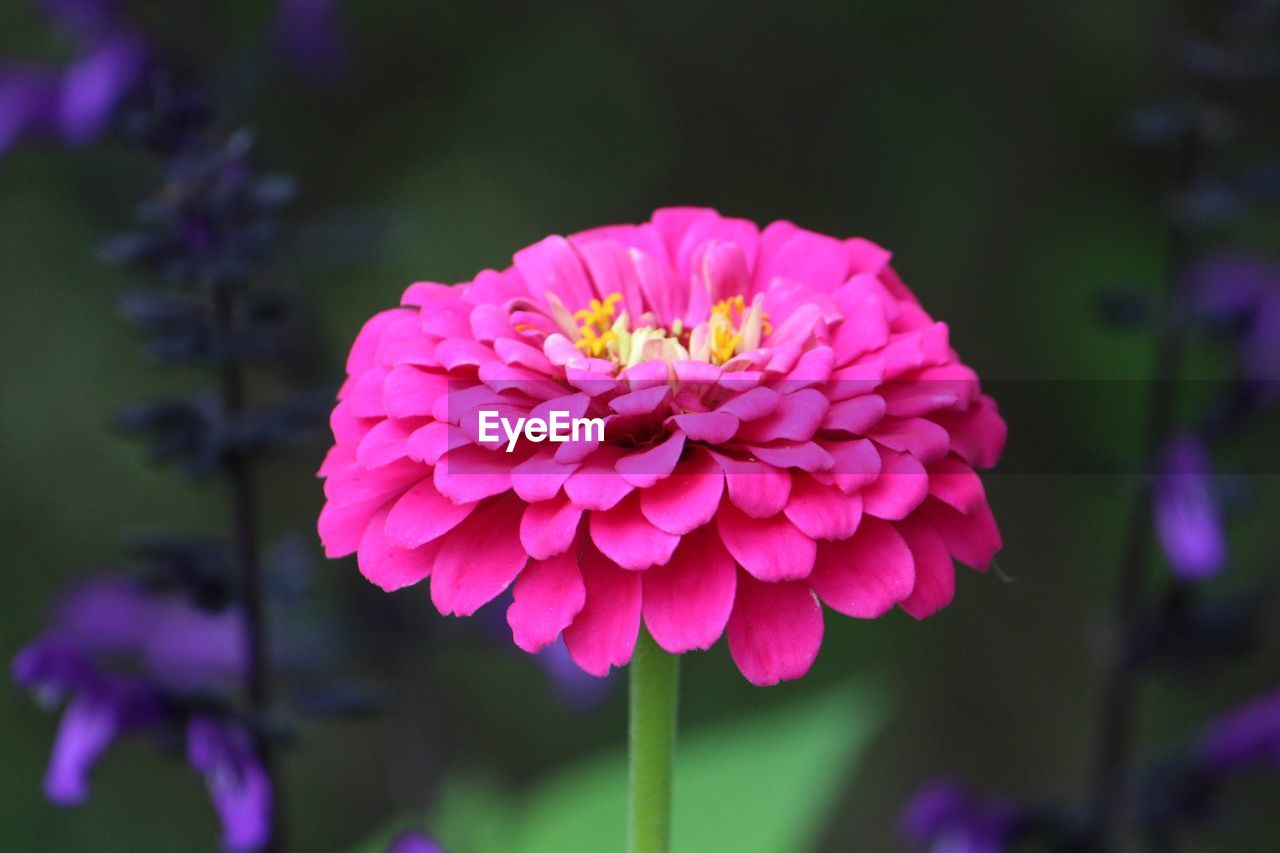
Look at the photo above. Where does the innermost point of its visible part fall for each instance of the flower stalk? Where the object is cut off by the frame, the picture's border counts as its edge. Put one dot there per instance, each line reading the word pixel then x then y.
pixel 244 519
pixel 652 738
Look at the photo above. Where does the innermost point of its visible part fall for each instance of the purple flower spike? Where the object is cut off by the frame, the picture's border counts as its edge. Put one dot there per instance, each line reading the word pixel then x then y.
pixel 94 85
pixel 28 102
pixel 237 781
pixel 1187 517
pixel 414 842
pixel 1246 738
pixel 310 34
pixel 91 722
pixel 1243 290
pixel 945 817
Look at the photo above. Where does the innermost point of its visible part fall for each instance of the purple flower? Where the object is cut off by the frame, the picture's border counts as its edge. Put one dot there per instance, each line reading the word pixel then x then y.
pixel 93 86
pixel 76 102
pixel 81 19
pixel 100 709
pixel 1246 738
pixel 237 781
pixel 946 818
pixel 1243 290
pixel 309 33
pixel 1188 519
pixel 28 102
pixel 574 687
pixel 124 659
pixel 413 841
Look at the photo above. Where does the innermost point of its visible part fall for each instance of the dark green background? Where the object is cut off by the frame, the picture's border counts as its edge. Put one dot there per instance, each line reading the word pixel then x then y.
pixel 981 142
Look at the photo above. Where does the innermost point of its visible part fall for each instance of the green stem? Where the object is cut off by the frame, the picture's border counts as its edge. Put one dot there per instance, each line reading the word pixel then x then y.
pixel 652 736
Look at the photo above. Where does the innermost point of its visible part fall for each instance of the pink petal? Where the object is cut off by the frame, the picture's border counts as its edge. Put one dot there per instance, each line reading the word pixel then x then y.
pixel 771 549
pixel 973 539
pixel 793 253
pixel 427 444
pixel 865 321
pixel 512 351
pixel 662 290
pixel 865 256
pixel 935 575
pixel 596 485
pixel 711 427
pixel 977 435
pixel 453 353
pixel 540 477
pixel 410 392
pixel 365 394
pixel 796 418
pixel 823 512
pixel 687 601
pixel 356 484
pixel 922 438
pixel 551 265
pixel 479 559
pixel 647 467
pixel 387 564
pixel 813 368
pixel 604 633
pixel 423 514
pixel 545 599
pixel 751 404
pixel 471 473
pixel 342 526
pixel 855 415
pixel 775 630
pixel 610 267
pixel 899 489
pixel 757 489
pixel 386 442
pixel 805 455
pixel 625 536
pixel 856 463
pixel 955 484
pixel 864 577
pixel 548 527
pixel 361 358
pixel 688 498
pixel 643 402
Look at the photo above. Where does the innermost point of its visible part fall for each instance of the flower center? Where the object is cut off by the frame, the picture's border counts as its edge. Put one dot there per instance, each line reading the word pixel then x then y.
pixel 734 327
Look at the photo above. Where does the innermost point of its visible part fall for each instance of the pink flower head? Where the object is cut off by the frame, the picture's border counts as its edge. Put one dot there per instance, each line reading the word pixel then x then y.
pixel 783 427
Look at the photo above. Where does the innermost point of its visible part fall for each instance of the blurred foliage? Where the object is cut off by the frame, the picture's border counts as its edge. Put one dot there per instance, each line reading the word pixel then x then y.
pixel 984 147
pixel 765 784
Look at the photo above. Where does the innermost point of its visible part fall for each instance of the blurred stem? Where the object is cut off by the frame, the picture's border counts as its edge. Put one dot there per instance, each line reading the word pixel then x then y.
pixel 1111 794
pixel 244 515
pixel 652 740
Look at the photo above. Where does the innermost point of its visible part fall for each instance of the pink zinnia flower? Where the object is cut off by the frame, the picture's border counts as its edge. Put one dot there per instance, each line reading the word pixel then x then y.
pixel 785 427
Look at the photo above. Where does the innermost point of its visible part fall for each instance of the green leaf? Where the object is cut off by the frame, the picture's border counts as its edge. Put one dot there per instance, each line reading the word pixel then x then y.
pixel 761 784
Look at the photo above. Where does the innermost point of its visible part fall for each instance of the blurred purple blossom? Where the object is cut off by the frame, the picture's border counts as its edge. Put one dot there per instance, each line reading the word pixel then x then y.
pixel 309 32
pixel 100 708
pixel 74 103
pixel 1188 518
pixel 946 818
pixel 129 659
pixel 1246 738
pixel 413 841
pixel 575 688
pixel 1242 290
pixel 93 86
pixel 237 781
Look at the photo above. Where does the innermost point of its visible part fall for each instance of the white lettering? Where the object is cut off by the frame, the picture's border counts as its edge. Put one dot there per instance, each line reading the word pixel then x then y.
pixel 487 425
pixel 559 427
